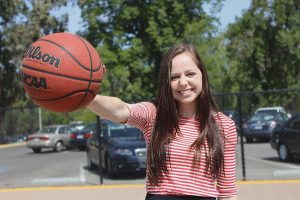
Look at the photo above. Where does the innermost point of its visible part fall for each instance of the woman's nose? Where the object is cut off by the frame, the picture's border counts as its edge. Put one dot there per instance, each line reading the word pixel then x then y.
pixel 183 81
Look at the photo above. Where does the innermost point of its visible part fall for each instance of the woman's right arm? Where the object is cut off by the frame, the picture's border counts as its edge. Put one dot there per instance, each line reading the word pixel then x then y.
pixel 111 108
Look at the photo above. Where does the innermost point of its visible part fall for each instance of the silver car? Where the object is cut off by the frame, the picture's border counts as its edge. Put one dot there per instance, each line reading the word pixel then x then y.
pixel 54 137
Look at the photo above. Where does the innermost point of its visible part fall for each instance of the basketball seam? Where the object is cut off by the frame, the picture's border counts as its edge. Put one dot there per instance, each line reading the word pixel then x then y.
pixel 61 97
pixel 91 75
pixel 57 74
pixel 71 55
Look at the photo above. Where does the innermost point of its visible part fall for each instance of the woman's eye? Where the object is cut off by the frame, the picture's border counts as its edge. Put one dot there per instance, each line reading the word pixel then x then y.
pixel 191 74
pixel 174 78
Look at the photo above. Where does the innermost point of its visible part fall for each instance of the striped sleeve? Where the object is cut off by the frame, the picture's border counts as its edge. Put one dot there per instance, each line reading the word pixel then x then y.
pixel 226 183
pixel 141 115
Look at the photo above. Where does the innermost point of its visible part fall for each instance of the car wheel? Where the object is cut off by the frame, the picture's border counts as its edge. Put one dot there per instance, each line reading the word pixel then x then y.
pixel 36 150
pixel 58 146
pixel 90 164
pixel 81 148
pixel 249 140
pixel 284 153
pixel 109 167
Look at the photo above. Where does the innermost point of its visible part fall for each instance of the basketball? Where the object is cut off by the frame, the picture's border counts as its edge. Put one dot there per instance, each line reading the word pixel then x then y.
pixel 61 72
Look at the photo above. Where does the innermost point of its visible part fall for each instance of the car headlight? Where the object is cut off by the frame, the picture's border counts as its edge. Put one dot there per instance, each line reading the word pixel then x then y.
pixel 273 124
pixel 126 152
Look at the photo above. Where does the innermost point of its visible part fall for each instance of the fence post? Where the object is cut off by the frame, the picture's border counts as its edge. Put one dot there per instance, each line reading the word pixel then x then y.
pixel 99 148
pixel 241 136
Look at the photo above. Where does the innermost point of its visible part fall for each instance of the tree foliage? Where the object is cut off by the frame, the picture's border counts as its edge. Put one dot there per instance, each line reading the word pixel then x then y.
pixel 264 49
pixel 22 23
pixel 260 51
pixel 264 46
pixel 132 36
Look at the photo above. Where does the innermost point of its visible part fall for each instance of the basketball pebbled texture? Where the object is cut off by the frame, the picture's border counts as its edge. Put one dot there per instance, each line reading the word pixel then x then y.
pixel 62 72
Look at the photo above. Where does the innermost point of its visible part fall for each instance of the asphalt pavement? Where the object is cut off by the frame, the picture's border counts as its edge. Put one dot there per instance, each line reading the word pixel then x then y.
pixel 247 190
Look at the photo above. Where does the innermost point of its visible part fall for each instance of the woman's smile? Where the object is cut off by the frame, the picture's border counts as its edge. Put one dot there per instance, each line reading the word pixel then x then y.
pixel 185 92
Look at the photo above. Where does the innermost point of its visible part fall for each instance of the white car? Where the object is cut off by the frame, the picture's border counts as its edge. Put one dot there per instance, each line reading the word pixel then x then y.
pixel 54 137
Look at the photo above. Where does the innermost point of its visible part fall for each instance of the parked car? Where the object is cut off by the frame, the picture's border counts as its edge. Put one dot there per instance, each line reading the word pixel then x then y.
pixel 286 139
pixel 123 149
pixel 79 139
pixel 15 139
pixel 263 122
pixel 54 137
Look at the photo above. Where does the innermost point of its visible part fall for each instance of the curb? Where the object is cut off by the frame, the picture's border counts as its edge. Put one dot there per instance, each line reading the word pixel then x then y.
pixel 3 146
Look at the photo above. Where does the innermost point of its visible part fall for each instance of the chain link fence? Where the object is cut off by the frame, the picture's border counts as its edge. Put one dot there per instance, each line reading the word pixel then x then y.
pixel 256 160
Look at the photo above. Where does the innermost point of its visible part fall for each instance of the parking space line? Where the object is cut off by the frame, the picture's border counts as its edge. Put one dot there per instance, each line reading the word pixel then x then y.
pixel 273 163
pixel 82 173
pixel 258 182
pixel 56 181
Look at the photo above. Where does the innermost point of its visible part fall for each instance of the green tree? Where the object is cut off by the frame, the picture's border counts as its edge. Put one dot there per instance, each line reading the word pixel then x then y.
pixel 21 23
pixel 132 35
pixel 264 49
pixel 264 46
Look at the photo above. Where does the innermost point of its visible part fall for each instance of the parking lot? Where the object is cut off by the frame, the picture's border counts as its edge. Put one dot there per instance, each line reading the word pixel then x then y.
pixel 262 163
pixel 64 175
pixel 20 167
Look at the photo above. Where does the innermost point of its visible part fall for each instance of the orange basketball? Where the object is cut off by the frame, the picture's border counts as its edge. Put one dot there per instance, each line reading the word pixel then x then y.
pixel 61 72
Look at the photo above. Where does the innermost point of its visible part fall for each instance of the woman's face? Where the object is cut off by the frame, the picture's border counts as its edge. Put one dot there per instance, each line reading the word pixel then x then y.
pixel 186 80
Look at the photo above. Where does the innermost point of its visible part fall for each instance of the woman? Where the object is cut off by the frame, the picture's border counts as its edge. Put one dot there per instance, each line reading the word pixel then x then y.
pixel 191 146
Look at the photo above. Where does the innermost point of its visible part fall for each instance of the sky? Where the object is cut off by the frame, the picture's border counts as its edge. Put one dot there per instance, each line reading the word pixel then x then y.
pixel 230 10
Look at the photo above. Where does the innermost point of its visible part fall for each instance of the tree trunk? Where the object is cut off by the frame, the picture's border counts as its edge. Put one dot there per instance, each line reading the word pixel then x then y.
pixel 2 130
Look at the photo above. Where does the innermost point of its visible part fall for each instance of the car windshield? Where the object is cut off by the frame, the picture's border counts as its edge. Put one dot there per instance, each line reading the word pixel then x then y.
pixel 89 127
pixel 229 113
pixel 74 130
pixel 48 130
pixel 268 115
pixel 77 126
pixel 128 133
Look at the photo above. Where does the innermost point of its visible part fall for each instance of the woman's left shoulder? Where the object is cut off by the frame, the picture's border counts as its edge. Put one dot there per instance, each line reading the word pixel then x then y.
pixel 226 124
pixel 221 117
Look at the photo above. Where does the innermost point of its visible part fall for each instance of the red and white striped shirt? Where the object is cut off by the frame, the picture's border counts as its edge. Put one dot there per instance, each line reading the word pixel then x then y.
pixel 182 179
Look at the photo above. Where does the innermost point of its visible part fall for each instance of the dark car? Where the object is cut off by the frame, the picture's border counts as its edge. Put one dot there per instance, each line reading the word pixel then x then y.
pixel 262 123
pixel 123 149
pixel 234 115
pixel 79 138
pixel 286 139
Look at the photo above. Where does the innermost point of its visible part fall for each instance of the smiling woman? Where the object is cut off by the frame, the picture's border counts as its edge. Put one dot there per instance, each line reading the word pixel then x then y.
pixel 181 125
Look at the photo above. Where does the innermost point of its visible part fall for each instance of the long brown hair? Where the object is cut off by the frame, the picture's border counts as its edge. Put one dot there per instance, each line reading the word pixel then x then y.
pixel 166 124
